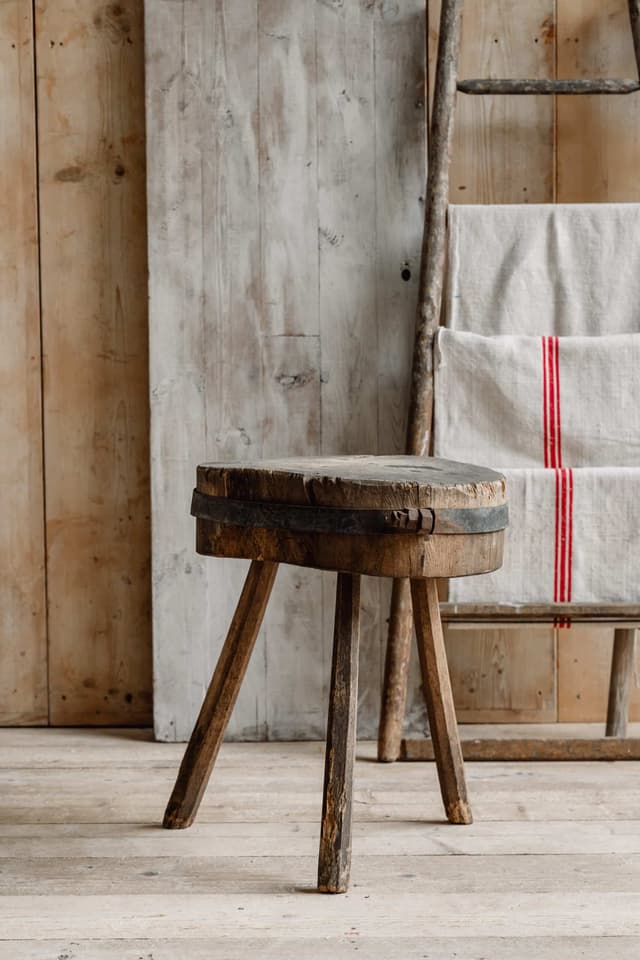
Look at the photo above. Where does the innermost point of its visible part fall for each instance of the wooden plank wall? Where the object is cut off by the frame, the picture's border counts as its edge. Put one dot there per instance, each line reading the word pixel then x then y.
pixel 285 321
pixel 74 413
pixel 286 169
pixel 285 186
pixel 23 672
pixel 94 317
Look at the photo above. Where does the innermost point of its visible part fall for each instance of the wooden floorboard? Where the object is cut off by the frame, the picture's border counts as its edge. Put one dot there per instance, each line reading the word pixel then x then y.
pixel 549 869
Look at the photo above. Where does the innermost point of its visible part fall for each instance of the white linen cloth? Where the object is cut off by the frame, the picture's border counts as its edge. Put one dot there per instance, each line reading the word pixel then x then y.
pixel 537 401
pixel 560 269
pixel 532 379
pixel 573 536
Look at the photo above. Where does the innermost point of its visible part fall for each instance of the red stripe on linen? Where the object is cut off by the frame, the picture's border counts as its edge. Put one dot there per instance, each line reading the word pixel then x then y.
pixel 556 363
pixel 545 403
pixel 556 552
pixel 552 455
pixel 570 537
pixel 552 404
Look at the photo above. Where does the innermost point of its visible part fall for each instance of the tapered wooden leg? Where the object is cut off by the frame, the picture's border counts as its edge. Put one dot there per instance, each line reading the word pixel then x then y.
pixel 396 673
pixel 222 694
pixel 622 662
pixel 335 837
pixel 439 698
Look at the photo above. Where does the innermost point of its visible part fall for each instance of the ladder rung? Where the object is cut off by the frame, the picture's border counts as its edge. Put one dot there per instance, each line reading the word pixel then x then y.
pixel 523 87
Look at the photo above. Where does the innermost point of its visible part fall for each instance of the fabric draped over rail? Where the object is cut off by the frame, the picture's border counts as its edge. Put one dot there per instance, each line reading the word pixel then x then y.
pixel 536 392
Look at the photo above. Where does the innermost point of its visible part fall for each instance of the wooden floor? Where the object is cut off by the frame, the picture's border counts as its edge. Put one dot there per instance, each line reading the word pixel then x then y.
pixel 550 869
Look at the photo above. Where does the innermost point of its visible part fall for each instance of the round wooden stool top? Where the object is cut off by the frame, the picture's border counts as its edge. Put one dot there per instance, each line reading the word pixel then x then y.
pixel 396 516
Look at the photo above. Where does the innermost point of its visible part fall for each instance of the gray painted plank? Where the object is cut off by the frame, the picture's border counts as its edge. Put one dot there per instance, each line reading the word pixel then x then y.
pixel 283 205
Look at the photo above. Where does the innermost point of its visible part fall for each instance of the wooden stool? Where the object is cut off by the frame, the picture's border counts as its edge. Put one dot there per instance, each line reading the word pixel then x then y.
pixel 413 517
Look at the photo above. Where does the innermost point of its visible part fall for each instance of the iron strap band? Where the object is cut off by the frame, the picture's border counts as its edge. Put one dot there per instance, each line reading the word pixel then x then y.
pixel 311 519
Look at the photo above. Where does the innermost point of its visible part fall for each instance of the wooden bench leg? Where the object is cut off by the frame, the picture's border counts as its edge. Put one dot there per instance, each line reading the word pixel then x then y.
pixel 335 837
pixel 439 698
pixel 222 694
pixel 622 662
pixel 396 673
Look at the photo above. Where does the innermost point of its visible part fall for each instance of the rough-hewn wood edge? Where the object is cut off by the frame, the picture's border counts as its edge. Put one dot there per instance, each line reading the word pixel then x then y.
pixel 525 749
pixel 544 87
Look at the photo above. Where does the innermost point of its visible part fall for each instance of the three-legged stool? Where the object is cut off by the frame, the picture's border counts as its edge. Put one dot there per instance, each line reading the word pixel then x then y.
pixel 414 517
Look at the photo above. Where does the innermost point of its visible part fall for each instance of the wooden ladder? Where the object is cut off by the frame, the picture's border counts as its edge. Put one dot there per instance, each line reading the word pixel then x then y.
pixel 432 270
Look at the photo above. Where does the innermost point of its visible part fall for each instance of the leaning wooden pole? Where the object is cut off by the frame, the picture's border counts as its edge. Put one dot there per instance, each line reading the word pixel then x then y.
pixel 432 266
pixel 622 663
pixel 634 16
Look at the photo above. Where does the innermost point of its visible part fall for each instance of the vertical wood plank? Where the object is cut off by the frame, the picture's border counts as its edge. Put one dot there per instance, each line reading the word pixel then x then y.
pixel 346 117
pixel 598 137
pixel 584 666
pixel 503 153
pixel 205 303
pixel 94 318
pixel 401 151
pixel 23 670
pixel 503 676
pixel 296 662
pixel 504 146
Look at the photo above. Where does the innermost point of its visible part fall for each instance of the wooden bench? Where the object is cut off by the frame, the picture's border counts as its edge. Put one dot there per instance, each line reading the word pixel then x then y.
pixel 402 517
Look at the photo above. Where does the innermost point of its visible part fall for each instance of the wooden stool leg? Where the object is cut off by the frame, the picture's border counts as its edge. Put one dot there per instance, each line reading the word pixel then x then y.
pixel 396 673
pixel 335 837
pixel 222 694
pixel 437 691
pixel 622 661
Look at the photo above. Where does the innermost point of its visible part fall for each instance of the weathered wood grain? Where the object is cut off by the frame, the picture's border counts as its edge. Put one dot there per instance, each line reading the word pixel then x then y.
pixel 598 139
pixel 440 707
pixel 334 862
pixel 205 329
pixel 504 675
pixel 291 345
pixel 365 482
pixel 383 555
pixel 523 749
pixel 94 330
pixel 620 682
pixel 507 887
pixel 503 148
pixel 348 168
pixel 23 670
pixel 584 669
pixel 401 168
pixel 320 948
pixel 204 744
pixel 510 87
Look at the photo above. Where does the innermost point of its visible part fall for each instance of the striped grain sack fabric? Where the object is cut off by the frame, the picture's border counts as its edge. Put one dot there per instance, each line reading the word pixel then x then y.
pixel 559 415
